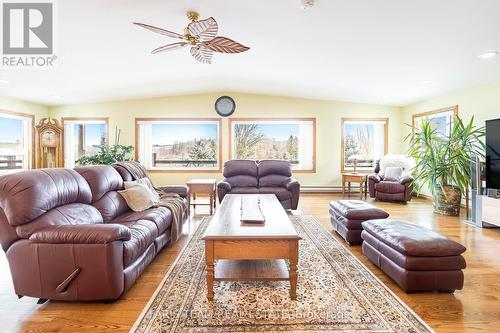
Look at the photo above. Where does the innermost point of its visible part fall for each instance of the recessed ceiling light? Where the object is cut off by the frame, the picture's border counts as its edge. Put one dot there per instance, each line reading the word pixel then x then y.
pixel 488 55
pixel 422 82
pixel 56 97
pixel 4 81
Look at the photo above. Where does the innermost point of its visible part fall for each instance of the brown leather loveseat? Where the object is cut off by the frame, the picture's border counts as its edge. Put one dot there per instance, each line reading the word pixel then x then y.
pixel 69 235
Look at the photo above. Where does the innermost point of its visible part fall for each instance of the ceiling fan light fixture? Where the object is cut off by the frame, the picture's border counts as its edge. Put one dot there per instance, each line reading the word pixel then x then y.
pixel 306 4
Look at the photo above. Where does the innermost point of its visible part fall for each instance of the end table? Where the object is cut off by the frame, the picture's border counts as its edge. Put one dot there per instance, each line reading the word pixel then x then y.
pixel 203 186
pixel 360 178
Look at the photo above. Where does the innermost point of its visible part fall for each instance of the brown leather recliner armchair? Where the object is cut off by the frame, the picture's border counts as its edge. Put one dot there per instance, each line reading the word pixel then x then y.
pixel 379 188
pixel 69 235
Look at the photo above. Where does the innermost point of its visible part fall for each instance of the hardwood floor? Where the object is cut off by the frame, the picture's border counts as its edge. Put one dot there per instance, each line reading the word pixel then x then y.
pixel 476 308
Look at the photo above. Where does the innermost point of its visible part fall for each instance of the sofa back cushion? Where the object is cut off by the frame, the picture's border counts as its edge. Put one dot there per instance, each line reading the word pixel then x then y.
pixel 27 195
pixel 241 173
pixel 104 182
pixel 274 173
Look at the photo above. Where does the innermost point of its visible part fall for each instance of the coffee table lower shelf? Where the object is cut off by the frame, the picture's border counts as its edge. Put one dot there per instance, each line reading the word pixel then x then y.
pixel 251 270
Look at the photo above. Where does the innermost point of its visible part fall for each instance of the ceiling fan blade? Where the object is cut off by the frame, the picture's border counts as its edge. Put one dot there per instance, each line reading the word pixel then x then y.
pixel 205 30
pixel 202 54
pixel 160 30
pixel 169 47
pixel 225 45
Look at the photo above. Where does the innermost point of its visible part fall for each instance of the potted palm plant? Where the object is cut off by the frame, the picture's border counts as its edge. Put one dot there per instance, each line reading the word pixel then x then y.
pixel 443 161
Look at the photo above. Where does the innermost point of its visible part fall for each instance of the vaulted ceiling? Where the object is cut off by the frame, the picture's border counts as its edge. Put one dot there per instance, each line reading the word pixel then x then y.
pixel 375 51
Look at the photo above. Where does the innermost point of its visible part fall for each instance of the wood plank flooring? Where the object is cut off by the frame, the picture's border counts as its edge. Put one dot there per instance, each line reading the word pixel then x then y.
pixel 476 308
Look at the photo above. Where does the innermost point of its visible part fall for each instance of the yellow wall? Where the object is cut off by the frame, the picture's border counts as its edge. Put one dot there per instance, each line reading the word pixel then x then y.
pixel 327 113
pixel 16 105
pixel 482 102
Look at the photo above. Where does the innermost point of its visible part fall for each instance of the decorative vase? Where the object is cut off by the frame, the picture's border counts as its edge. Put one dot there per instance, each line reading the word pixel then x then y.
pixel 447 200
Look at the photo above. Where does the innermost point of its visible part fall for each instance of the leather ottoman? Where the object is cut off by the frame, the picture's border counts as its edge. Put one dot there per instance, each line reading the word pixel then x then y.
pixel 416 258
pixel 346 217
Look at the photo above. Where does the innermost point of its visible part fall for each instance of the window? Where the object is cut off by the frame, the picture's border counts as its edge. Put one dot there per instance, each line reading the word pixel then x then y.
pixel 16 141
pixel 290 139
pixel 82 136
pixel 179 144
pixel 441 119
pixel 364 141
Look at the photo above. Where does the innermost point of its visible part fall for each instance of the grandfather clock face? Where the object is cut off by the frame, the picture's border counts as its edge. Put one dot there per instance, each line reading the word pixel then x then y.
pixel 49 138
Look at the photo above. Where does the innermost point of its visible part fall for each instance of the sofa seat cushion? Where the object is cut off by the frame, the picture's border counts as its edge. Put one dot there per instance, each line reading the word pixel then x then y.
pixel 142 235
pixel 161 216
pixel 411 239
pixel 357 210
pixel 390 187
pixel 280 192
pixel 244 190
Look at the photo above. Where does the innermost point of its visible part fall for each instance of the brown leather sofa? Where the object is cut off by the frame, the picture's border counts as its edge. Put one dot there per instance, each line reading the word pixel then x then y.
pixel 266 177
pixel 69 235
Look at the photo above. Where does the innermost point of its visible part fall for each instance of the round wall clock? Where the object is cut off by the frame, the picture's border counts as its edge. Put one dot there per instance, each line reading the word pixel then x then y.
pixel 225 106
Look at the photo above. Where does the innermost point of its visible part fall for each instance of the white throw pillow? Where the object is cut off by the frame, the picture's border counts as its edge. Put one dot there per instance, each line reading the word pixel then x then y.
pixel 138 197
pixel 143 181
pixel 393 174
pixel 403 161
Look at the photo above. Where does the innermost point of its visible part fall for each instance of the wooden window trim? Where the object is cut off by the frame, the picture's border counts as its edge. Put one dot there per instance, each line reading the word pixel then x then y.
pixel 31 152
pixel 313 120
pixel 342 153
pixel 219 139
pixel 75 119
pixel 453 109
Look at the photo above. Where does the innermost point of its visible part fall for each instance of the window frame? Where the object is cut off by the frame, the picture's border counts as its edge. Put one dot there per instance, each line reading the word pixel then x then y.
pixel 218 121
pixel 263 119
pixel 31 150
pixel 434 113
pixel 343 120
pixel 65 120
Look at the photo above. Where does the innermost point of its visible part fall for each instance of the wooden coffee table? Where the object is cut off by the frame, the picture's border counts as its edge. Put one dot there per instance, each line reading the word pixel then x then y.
pixel 236 251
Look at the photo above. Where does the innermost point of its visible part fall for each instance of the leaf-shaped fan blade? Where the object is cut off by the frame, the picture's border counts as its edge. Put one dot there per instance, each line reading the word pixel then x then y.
pixel 202 54
pixel 160 30
pixel 205 30
pixel 169 47
pixel 225 45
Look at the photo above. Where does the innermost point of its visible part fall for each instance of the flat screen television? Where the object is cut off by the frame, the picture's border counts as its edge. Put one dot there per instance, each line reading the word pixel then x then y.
pixel 493 154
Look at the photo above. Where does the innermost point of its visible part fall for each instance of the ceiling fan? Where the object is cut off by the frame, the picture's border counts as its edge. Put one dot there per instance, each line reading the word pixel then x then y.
pixel 201 35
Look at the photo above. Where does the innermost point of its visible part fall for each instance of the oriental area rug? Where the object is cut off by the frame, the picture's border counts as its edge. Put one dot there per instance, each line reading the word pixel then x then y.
pixel 335 293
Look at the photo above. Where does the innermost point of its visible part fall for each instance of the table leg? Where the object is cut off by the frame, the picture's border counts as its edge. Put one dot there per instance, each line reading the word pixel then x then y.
pixel 366 188
pixel 294 258
pixel 211 203
pixel 349 188
pixel 343 187
pixel 361 187
pixel 209 260
pixel 194 203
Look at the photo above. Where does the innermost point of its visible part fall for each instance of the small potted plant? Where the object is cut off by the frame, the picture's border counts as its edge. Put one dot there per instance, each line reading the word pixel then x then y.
pixel 443 161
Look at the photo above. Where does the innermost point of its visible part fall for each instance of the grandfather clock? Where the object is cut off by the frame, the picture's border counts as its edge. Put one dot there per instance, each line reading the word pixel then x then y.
pixel 49 144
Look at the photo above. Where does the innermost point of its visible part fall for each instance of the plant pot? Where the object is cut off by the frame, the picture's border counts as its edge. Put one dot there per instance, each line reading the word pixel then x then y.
pixel 447 201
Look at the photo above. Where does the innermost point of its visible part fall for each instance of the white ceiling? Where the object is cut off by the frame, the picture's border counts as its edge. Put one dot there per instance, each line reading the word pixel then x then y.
pixel 372 51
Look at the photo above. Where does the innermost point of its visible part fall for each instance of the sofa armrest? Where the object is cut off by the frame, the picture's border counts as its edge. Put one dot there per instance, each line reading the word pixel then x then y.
pixel 181 190
pixel 375 177
pixel 292 184
pixel 82 234
pixel 406 180
pixel 224 185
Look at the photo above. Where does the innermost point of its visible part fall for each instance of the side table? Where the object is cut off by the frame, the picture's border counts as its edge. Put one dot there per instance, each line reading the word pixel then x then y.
pixel 202 186
pixel 360 178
